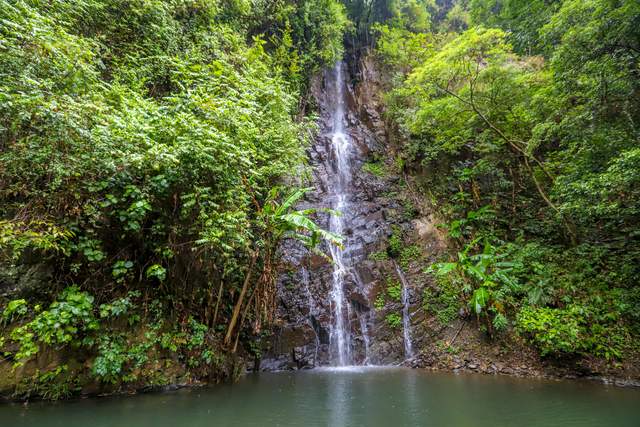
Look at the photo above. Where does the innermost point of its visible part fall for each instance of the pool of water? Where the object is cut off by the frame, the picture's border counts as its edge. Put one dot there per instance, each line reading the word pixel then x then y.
pixel 350 397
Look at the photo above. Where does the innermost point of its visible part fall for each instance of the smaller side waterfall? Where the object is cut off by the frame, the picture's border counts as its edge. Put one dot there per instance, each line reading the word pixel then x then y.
pixel 365 336
pixel 406 316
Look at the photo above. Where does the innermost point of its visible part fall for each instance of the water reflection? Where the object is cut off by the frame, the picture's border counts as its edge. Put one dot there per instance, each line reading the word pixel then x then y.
pixel 338 402
pixel 347 396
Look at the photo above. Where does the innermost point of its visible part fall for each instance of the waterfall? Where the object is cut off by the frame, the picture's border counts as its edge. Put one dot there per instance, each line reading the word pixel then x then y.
pixel 339 183
pixel 406 317
pixel 364 329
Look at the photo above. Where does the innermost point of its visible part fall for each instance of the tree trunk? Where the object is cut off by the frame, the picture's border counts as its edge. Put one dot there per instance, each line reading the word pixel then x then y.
pixel 238 306
pixel 215 311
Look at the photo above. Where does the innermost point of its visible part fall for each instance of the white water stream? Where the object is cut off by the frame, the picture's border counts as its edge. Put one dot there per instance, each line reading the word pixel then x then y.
pixel 406 316
pixel 339 182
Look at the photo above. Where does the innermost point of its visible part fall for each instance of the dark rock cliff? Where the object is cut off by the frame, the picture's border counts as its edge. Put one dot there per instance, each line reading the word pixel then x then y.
pixel 377 209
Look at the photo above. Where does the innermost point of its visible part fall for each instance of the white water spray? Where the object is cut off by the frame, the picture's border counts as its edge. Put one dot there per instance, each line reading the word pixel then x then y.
pixel 339 182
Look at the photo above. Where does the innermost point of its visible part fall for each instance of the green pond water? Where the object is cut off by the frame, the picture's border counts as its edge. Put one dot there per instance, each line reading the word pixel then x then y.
pixel 350 397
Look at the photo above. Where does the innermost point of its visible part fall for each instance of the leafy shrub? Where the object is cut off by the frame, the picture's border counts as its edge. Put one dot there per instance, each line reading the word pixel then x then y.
pixel 57 383
pixel 444 302
pixel 408 254
pixel 374 168
pixel 572 330
pixel 15 309
pixel 394 289
pixel 394 320
pixel 379 256
pixel 396 244
pixel 485 277
pixel 109 363
pixel 379 303
pixel 69 320
pixel 121 307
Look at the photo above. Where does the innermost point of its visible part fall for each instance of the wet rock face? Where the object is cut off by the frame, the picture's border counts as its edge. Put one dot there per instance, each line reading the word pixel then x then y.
pixel 25 280
pixel 302 336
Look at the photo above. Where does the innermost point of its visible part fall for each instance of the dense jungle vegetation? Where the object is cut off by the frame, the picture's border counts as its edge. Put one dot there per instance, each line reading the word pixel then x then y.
pixel 519 121
pixel 143 146
pixel 147 149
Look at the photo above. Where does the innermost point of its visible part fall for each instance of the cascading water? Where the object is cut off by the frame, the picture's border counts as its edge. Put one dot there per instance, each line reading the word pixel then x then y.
pixel 338 184
pixel 406 317
pixel 330 320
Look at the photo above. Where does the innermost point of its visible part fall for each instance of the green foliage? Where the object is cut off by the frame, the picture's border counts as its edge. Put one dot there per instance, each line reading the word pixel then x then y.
pixel 156 271
pixel 487 269
pixel 121 358
pixel 108 365
pixel 55 384
pixel 395 244
pixel 394 289
pixel 121 268
pixel 409 211
pixel 281 221
pixel 551 330
pixel 401 49
pixel 409 254
pixel 18 236
pixel 394 320
pixel 69 320
pixel 444 302
pixel 571 331
pixel 445 346
pixel 380 302
pixel 374 168
pixel 15 310
pixel 520 123
pixel 120 307
pixel 500 322
pixel 379 256
pixel 485 278
pixel 464 226
pixel 523 18
pixel 141 143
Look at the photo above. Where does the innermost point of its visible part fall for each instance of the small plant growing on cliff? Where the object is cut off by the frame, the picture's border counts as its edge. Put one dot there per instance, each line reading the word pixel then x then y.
pixel 395 242
pixel 55 384
pixel 409 211
pixel 394 290
pixel 443 302
pixel 409 254
pixel 109 364
pixel 120 307
pixel 378 256
pixel 379 303
pixel 394 320
pixel 14 311
pixel 374 168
